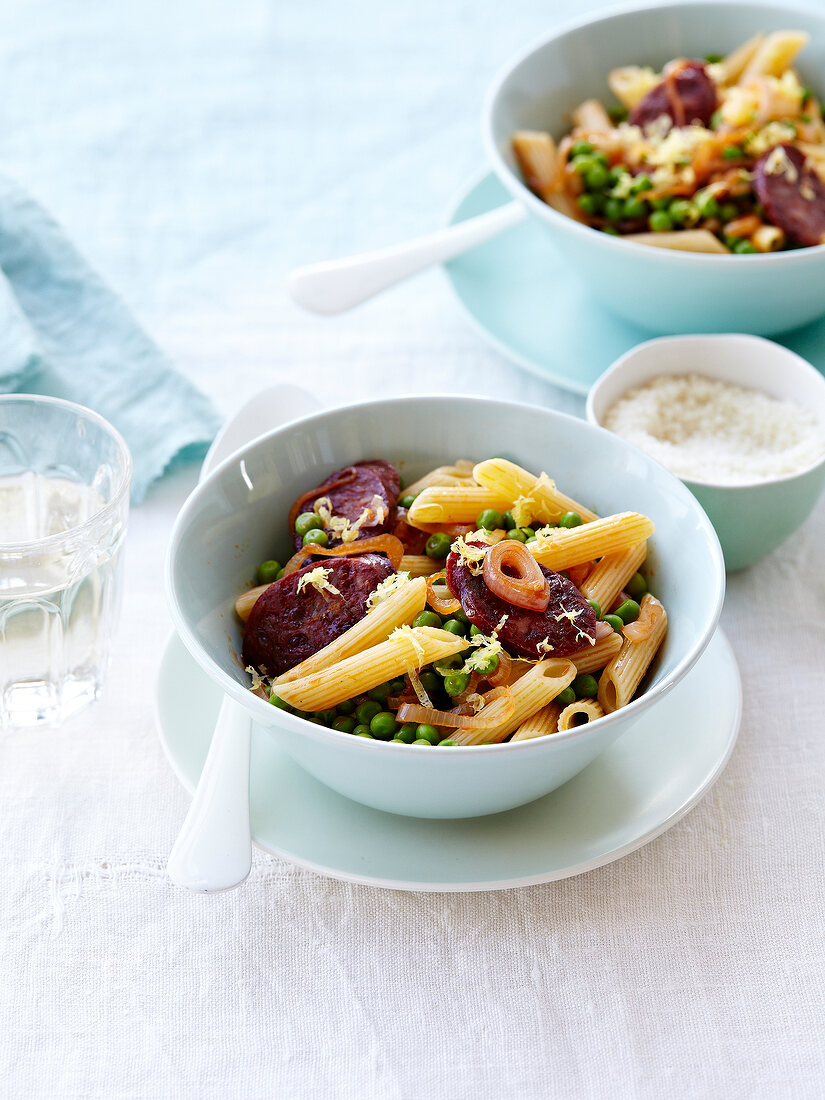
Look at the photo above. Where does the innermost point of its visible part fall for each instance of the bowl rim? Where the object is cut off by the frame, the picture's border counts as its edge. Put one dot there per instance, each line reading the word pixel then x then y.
pixel 262 711
pixel 620 365
pixel 519 190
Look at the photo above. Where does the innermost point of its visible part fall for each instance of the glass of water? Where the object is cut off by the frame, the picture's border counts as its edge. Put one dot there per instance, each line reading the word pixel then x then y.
pixel 64 504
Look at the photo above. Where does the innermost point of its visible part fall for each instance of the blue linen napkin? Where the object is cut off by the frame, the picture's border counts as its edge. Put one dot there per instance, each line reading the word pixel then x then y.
pixel 66 334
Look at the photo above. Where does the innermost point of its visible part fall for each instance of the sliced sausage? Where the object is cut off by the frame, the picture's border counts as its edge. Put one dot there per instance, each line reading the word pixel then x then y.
pixel 287 626
pixel 687 94
pixel 351 490
pixel 792 194
pixel 563 624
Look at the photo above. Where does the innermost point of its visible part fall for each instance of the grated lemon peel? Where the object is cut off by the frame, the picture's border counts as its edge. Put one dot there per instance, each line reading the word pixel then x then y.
pixel 388 587
pixel 317 579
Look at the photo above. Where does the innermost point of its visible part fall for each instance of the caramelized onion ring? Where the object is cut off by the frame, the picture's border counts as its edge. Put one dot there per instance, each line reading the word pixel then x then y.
pixel 348 474
pixel 444 605
pixel 378 544
pixel 410 712
pixel 524 584
pixel 643 627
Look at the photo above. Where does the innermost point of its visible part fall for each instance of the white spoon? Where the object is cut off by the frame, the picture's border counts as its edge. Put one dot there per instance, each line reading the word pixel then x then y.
pixel 336 285
pixel 214 848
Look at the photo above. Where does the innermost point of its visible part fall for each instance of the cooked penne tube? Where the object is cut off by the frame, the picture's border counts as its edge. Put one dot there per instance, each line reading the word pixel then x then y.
pixel 593 657
pixel 397 609
pixel 540 493
pixel 460 473
pixel 768 238
pixel 682 240
pixel 621 677
pixel 580 713
pixel 537 158
pixel 731 67
pixel 419 565
pixel 540 724
pixel 407 648
pixel 247 600
pixel 591 115
pixel 775 53
pixel 611 574
pixel 454 504
pixel 536 688
pixel 565 546
pixel 631 83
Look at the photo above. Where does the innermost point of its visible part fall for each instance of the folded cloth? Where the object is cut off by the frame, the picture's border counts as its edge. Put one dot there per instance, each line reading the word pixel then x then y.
pixel 67 334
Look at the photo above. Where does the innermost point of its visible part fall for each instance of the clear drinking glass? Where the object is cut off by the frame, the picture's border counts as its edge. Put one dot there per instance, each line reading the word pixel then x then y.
pixel 64 503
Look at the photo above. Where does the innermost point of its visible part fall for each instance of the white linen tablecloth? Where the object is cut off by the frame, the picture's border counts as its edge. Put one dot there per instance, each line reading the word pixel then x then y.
pixel 197 151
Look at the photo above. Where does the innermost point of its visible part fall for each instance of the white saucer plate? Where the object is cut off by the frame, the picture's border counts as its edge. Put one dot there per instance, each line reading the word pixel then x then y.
pixel 632 793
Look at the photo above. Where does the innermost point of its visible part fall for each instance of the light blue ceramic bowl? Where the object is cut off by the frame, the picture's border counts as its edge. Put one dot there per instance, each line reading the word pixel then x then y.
pixel 237 518
pixel 662 290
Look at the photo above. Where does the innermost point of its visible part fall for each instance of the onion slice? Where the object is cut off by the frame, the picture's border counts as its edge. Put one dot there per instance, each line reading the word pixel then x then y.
pixel 444 605
pixel 644 626
pixel 348 474
pixel 512 573
pixel 450 719
pixel 377 544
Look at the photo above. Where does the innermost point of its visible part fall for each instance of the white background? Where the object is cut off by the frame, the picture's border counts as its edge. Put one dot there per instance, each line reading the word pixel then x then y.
pixel 196 152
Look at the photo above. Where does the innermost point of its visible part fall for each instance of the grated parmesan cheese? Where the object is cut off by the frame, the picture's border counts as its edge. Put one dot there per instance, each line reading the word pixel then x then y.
pixel 713 431
pixel 778 163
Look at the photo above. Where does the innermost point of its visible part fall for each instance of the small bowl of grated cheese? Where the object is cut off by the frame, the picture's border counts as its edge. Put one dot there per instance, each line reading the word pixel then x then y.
pixel 739 419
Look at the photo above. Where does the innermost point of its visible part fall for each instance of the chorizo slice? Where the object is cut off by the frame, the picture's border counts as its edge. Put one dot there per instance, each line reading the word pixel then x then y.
pixel 792 194
pixel 685 95
pixel 351 491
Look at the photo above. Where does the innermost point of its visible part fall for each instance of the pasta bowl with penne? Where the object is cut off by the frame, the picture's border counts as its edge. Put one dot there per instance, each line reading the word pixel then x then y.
pixel 676 154
pixel 465 643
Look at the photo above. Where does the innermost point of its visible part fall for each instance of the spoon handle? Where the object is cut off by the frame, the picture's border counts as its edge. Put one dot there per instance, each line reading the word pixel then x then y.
pixel 213 850
pixel 336 285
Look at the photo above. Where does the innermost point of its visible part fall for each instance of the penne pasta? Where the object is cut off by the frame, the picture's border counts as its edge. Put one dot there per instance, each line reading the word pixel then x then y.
pixel 592 116
pixel 534 690
pixel 594 657
pixel 398 609
pixel 543 722
pixel 564 546
pixel 631 83
pixel 580 713
pixel 604 583
pixel 537 158
pixel 768 238
pixel 419 565
pixel 731 67
pixel 247 600
pixel 453 504
pixel 540 494
pixel 682 240
pixel 407 648
pixel 622 676
pixel 459 473
pixel 775 53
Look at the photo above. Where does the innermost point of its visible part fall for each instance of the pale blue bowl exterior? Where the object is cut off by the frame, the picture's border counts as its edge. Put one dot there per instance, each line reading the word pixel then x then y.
pixel 237 518
pixel 662 290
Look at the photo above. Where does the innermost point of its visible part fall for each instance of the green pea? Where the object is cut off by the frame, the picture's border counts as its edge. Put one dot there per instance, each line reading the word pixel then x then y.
pixel 367 734
pixel 361 729
pixel 713 58
pixel 743 247
pixel 423 741
pixel 344 723
pixel 460 616
pixel 327 716
pixel 596 607
pixel 731 152
pixel 707 206
pixel 396 741
pixel 715 120
pixel 487 666
pixel 347 707
pixel 805 94
pixel 682 212
pixel 616 175
pixel 490 520
pixel 728 211
pixel 589 203
pixel 615 622
pixel 509 522
pixel 583 163
pixel 407 733
pixel 280 573
pixel 365 712
pixel 278 702
pixel 453 626
pixel 566 697
pixel 618 114
pixel 659 221
pixel 585 686
pixel 383 725
pixel 571 519
pixel 427 618
pixel 661 202
pixel 475 630
pixel 380 693
pixel 634 208
pixel 397 686
pixel 316 538
pixel 431 681
pixel 614 210
pixel 438 545
pixel 518 535
pixel 601 158
pixel 268 571
pixel 448 744
pixel 611 231
pixel 455 683
pixel 636 586
pixel 581 149
pixel 428 734
pixel 628 611
pixel 642 182
pixel 307 521
pixel 595 178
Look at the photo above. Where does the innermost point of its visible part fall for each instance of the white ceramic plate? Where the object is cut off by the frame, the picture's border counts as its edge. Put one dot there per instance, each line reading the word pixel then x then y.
pixel 633 792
